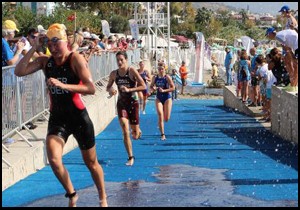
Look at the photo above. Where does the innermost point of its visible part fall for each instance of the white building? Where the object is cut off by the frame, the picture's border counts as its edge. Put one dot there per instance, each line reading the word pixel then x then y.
pixel 45 8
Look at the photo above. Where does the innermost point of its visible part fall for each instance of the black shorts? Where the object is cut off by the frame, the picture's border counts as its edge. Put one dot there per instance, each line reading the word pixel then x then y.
pixel 183 81
pixel 129 109
pixel 78 124
pixel 254 81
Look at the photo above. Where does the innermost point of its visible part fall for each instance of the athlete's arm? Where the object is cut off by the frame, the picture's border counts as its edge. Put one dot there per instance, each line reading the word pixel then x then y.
pixel 25 67
pixel 171 85
pixel 152 85
pixel 148 78
pixel 109 86
pixel 140 82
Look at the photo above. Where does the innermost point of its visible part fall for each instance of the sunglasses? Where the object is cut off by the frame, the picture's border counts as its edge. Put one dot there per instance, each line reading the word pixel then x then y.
pixel 54 40
pixel 32 36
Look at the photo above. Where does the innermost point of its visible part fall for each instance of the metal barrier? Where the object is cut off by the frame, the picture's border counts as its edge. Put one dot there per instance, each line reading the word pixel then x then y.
pixel 25 99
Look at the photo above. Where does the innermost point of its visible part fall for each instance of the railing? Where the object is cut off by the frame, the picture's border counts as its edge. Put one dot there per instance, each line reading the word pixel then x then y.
pixel 157 19
pixel 25 98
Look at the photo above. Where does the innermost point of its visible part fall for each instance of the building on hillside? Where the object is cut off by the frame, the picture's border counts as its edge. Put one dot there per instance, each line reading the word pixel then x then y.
pixel 267 19
pixel 43 8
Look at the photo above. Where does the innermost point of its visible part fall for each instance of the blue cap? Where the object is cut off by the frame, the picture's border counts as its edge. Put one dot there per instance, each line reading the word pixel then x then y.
pixel 270 30
pixel 285 8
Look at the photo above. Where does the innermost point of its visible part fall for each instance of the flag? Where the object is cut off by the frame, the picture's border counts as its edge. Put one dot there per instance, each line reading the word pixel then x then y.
pixel 134 29
pixel 105 28
pixel 72 17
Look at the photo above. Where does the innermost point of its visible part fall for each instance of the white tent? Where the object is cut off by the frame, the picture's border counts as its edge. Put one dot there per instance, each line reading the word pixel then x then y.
pixel 159 41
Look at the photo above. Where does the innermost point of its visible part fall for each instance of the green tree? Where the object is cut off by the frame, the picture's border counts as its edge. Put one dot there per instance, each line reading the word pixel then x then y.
pixel 119 24
pixel 203 16
pixel 230 33
pixel 25 19
pixel 244 15
pixel 225 17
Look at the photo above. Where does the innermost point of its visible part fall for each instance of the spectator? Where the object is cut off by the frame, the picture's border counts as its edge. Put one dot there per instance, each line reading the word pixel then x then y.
pixel 112 44
pixel 86 32
pixel 262 68
pixel 183 75
pixel 254 89
pixel 95 47
pixel 174 92
pixel 75 42
pixel 244 75
pixel 9 29
pixel 291 22
pixel 122 44
pixel 102 42
pixel 228 65
pixel 43 49
pixel 236 65
pixel 133 44
pixel 277 66
pixel 31 36
pixel 269 80
pixel 289 42
pixel 215 71
pixel 139 43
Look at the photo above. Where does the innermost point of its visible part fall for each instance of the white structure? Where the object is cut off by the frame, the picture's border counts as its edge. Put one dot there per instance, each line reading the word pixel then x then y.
pixel 157 25
pixel 45 8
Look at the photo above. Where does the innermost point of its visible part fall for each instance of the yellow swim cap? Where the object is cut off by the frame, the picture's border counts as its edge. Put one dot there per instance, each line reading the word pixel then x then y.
pixel 57 30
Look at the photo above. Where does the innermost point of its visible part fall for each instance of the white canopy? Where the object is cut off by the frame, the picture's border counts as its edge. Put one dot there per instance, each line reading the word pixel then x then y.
pixel 160 41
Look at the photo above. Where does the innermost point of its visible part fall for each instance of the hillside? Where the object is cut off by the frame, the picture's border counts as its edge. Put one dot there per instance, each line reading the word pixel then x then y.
pixel 214 6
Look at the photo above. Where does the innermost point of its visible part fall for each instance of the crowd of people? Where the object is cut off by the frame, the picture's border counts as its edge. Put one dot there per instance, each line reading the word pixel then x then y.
pixel 57 53
pixel 255 74
pixel 91 43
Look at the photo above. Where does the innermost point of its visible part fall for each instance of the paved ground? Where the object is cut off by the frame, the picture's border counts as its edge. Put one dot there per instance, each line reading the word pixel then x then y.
pixel 213 156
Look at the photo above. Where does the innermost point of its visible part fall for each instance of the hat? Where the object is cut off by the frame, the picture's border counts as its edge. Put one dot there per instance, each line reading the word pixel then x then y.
pixel 86 35
pixel 9 24
pixel 112 38
pixel 285 8
pixel 94 36
pixel 57 30
pixel 41 29
pixel 270 30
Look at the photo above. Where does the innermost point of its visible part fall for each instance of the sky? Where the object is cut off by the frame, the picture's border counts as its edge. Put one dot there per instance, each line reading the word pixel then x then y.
pixel 263 7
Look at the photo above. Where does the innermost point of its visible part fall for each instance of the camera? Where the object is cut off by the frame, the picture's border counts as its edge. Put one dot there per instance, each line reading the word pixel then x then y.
pixel 43 40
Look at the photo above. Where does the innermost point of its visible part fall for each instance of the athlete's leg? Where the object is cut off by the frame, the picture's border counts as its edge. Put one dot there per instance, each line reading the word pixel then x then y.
pixel 144 102
pixel 160 113
pixel 167 109
pixel 90 159
pixel 135 131
pixel 124 122
pixel 54 145
pixel 141 98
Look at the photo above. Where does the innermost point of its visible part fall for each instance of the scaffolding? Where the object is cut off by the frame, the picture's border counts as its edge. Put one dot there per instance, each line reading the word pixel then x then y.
pixel 157 24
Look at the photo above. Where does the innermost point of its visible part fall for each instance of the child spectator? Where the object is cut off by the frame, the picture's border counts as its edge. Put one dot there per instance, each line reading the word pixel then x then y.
pixel 269 80
pixel 215 71
pixel 174 92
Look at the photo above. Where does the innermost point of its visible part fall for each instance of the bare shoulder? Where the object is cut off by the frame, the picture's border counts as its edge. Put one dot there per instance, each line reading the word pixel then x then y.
pixel 113 73
pixel 131 68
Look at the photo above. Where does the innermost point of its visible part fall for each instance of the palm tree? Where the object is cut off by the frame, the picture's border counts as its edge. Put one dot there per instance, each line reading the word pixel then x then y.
pixel 244 15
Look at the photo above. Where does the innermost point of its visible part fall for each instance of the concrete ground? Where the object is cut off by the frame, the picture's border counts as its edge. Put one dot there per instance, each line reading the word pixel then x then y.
pixel 213 156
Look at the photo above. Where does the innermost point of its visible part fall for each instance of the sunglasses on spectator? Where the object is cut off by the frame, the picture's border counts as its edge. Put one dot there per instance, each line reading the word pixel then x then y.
pixel 32 36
